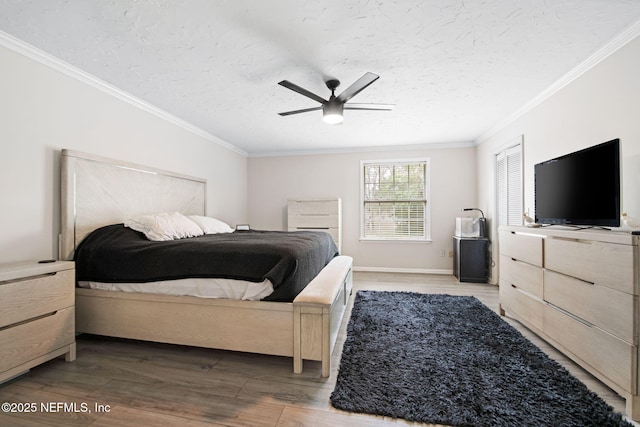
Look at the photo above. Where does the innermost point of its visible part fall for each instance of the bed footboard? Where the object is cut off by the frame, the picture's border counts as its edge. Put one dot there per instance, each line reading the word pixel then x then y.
pixel 317 314
pixel 305 329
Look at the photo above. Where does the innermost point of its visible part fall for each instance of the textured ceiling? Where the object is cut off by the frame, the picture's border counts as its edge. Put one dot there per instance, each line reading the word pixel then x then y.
pixel 454 68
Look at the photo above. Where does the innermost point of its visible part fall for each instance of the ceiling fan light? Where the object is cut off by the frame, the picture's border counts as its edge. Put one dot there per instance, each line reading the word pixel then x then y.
pixel 332 118
pixel 332 113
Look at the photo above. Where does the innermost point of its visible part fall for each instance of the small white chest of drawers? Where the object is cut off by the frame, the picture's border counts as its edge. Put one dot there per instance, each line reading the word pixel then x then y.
pixel 316 215
pixel 37 316
pixel 579 291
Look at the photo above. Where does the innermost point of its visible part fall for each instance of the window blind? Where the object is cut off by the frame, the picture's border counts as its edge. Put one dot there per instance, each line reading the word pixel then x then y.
pixel 395 200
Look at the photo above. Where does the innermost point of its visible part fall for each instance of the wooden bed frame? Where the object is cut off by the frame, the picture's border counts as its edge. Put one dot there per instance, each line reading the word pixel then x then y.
pixel 97 191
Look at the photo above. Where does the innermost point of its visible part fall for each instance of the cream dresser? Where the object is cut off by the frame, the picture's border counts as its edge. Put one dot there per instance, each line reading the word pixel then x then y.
pixel 579 291
pixel 37 319
pixel 318 215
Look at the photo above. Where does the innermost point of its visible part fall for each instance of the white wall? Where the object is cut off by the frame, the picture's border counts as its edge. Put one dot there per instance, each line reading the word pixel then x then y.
pixel 600 105
pixel 43 111
pixel 273 180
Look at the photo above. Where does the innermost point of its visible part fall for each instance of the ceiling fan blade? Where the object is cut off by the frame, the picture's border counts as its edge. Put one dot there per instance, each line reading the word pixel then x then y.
pixel 358 86
pixel 288 113
pixel 302 91
pixel 382 107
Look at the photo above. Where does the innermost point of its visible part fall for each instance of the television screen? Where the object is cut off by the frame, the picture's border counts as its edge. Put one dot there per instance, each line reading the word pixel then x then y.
pixel 581 188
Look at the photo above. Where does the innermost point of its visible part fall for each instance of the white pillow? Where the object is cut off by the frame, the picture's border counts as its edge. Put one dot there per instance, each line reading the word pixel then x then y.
pixel 164 226
pixel 211 225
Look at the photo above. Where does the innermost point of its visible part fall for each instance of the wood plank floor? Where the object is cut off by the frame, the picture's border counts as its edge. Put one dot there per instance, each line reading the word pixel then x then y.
pixel 129 383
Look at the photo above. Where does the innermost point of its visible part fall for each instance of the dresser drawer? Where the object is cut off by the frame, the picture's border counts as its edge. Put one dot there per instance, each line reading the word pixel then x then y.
pixel 606 308
pixel 23 299
pixel 606 354
pixel 607 264
pixel 311 207
pixel 523 247
pixel 525 277
pixel 527 309
pixel 30 340
pixel 313 221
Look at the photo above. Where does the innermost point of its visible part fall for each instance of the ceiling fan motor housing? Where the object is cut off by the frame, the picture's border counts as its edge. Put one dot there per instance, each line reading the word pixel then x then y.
pixel 332 84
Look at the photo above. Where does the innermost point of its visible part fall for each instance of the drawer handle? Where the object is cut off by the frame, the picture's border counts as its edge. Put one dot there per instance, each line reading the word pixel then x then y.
pixel 39 276
pixel 22 322
pixel 569 239
pixel 571 315
pixel 26 279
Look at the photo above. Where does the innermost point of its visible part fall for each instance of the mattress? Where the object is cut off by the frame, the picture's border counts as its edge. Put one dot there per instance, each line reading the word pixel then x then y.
pixel 195 287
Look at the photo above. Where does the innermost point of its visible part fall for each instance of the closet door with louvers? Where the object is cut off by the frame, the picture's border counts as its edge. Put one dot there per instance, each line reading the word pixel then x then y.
pixel 509 186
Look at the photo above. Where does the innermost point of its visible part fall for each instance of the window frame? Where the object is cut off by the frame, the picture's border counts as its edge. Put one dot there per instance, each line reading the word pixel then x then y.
pixel 427 195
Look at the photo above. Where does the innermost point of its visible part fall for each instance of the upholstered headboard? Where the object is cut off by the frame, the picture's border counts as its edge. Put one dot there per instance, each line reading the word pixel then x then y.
pixel 97 191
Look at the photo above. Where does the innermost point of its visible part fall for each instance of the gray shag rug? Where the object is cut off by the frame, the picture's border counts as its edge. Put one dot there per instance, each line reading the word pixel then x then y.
pixel 450 360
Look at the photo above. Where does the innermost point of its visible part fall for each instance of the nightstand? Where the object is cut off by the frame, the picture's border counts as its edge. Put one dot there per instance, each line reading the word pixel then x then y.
pixel 37 315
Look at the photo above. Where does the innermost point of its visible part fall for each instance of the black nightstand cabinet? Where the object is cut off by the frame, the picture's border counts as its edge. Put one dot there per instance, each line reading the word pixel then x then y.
pixel 471 259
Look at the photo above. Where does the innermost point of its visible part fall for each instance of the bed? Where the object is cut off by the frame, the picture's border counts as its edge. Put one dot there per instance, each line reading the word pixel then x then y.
pixel 98 192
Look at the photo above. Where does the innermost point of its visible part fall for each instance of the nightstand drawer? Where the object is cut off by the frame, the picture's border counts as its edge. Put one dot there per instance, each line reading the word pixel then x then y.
pixel 23 299
pixel 28 341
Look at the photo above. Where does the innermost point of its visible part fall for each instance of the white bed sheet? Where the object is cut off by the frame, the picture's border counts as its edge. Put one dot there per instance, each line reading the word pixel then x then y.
pixel 202 288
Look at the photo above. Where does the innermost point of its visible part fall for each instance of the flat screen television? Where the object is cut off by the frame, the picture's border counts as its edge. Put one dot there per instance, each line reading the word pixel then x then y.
pixel 580 188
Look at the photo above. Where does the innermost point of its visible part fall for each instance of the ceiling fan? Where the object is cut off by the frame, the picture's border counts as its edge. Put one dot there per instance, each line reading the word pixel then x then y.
pixel 333 107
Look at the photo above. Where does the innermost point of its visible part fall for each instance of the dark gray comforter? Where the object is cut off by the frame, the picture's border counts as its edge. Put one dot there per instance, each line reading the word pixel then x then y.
pixel 289 260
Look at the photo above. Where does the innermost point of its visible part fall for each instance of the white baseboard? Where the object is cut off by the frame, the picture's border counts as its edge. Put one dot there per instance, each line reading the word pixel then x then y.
pixel 403 270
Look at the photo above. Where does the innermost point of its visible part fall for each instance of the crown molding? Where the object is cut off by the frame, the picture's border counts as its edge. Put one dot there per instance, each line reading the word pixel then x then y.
pixel 600 55
pixel 67 69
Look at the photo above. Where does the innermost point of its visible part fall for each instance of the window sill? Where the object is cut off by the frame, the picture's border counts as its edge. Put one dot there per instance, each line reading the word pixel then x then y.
pixel 380 240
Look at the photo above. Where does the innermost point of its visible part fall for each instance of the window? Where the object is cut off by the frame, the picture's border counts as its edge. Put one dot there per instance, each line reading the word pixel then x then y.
pixel 509 185
pixel 394 200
